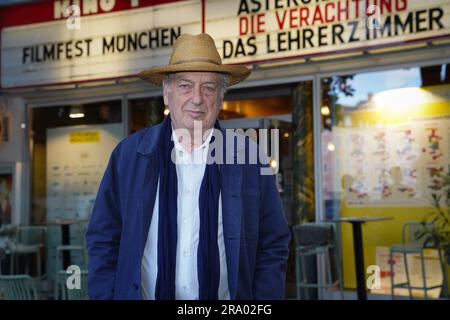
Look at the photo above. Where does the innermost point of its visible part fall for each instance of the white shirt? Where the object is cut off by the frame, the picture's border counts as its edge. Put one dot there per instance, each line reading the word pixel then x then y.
pixel 190 170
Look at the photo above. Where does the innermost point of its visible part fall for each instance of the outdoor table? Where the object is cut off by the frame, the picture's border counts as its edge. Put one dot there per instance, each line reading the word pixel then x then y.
pixel 358 249
pixel 65 232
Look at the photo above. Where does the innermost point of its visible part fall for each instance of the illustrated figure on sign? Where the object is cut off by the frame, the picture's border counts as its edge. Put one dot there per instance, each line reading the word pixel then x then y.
pixel 398 190
pixel 352 194
pixel 405 146
pixel 434 144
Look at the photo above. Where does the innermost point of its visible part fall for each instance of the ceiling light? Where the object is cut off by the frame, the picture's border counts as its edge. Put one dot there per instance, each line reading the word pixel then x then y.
pixel 325 111
pixel 76 112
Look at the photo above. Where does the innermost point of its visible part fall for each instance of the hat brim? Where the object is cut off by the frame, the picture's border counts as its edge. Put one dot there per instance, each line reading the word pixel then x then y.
pixel 156 75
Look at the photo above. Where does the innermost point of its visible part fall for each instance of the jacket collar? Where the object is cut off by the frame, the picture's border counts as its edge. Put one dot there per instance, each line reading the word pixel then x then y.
pixel 149 141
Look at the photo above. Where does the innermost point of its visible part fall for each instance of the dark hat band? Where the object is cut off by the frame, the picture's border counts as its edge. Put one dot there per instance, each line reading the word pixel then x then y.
pixel 196 60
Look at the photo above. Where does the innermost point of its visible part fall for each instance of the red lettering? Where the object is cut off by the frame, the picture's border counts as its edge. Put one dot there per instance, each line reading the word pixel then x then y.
pixel 304 15
pixel 252 24
pixel 243 26
pixel 356 2
pixel 280 22
pixel 342 10
pixel 292 19
pixel 328 8
pixel 401 5
pixel 260 23
pixel 386 5
pixel 317 15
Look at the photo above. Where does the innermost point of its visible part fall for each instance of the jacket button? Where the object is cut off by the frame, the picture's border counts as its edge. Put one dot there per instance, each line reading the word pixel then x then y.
pixel 135 286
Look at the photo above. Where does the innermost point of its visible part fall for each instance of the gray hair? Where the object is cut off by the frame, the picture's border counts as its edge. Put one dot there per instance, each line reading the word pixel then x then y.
pixel 224 82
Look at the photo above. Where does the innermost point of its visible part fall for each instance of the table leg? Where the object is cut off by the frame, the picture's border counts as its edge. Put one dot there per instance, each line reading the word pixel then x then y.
pixel 359 260
pixel 66 242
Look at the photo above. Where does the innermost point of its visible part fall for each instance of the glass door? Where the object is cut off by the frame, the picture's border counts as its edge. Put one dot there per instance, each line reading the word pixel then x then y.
pixel 385 140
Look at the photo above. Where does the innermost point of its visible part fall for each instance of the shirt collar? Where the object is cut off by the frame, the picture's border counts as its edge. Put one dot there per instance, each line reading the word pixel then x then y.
pixel 179 147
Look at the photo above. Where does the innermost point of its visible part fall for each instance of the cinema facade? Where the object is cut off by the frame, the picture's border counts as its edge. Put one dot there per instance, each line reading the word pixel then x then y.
pixel 359 89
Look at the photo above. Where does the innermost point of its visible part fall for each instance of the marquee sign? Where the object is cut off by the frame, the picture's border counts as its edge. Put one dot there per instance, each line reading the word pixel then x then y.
pixel 108 45
pixel 248 31
pixel 119 38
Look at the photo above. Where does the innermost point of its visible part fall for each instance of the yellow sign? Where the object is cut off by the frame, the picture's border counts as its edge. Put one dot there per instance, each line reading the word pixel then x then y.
pixel 84 136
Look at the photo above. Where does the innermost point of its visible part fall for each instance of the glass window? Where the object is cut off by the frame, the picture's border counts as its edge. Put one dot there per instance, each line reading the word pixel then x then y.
pixel 145 112
pixel 385 138
pixel 71 146
pixel 259 107
pixel 45 121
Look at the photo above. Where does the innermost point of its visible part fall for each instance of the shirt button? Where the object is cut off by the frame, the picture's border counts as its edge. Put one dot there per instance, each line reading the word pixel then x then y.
pixel 184 288
pixel 185 221
pixel 188 191
pixel 185 253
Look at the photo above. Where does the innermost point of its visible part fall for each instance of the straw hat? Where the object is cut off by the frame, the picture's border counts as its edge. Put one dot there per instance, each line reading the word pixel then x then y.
pixel 194 53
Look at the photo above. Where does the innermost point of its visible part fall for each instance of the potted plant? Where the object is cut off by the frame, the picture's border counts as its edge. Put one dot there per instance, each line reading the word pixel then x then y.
pixel 439 218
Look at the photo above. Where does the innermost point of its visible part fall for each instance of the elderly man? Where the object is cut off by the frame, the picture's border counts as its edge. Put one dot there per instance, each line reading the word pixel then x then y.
pixel 169 224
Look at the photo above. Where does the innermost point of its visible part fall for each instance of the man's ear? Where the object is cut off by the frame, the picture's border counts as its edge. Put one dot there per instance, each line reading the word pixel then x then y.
pixel 165 93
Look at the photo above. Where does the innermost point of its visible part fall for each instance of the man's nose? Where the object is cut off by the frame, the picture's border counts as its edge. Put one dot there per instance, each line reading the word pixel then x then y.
pixel 197 97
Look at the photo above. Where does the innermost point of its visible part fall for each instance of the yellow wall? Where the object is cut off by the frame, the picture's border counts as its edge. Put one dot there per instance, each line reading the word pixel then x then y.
pixel 386 233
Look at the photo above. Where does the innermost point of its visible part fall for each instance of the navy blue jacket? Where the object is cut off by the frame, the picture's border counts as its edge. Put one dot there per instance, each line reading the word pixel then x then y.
pixel 256 235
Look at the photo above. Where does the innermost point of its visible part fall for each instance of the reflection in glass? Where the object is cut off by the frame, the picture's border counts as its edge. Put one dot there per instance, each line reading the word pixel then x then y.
pixel 385 142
